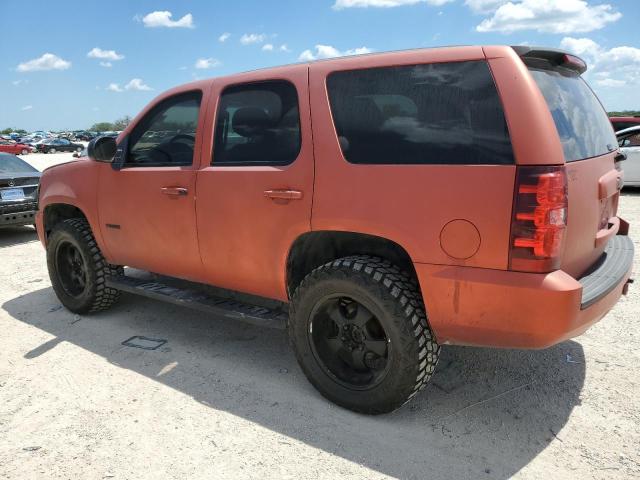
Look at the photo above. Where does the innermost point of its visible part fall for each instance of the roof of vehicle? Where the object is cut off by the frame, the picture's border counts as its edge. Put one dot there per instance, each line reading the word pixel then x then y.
pixel 635 119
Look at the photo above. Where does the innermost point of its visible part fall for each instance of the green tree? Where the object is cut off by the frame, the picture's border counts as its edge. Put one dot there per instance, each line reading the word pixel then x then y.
pixel 102 127
pixel 121 123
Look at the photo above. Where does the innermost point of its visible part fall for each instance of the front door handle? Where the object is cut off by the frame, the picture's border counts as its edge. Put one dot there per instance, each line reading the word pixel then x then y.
pixel 283 194
pixel 174 191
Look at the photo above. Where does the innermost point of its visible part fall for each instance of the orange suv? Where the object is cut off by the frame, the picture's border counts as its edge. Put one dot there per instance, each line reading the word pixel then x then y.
pixel 376 206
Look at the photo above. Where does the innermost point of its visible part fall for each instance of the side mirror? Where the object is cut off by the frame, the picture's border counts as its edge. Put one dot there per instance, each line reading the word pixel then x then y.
pixel 102 149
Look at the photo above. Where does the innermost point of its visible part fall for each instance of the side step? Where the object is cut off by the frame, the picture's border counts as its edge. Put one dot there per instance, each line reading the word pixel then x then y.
pixel 201 300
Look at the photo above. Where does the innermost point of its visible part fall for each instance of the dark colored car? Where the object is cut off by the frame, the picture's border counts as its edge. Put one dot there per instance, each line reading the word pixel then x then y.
pixel 18 191
pixel 620 123
pixel 59 145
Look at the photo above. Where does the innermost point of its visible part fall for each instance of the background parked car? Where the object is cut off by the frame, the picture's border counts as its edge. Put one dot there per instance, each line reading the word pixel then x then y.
pixel 59 145
pixel 621 123
pixel 9 146
pixel 629 142
pixel 18 191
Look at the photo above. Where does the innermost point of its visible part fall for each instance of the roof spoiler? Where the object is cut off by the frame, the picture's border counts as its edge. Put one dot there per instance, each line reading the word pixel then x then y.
pixel 554 56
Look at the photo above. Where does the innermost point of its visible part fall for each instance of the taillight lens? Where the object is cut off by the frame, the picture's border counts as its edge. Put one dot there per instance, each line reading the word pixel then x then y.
pixel 539 219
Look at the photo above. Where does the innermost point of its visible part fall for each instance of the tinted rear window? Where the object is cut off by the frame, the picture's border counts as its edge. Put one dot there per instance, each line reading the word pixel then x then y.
pixel 582 123
pixel 444 113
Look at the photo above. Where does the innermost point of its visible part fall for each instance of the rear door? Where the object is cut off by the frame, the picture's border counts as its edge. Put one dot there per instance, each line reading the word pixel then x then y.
pixel 255 184
pixel 589 146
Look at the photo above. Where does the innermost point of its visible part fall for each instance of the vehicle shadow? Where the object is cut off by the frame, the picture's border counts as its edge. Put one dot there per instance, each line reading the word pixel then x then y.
pixel 630 191
pixel 10 236
pixel 487 413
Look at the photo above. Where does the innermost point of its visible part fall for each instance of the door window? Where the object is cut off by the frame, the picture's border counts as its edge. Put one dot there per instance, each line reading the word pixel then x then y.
pixel 166 136
pixel 257 124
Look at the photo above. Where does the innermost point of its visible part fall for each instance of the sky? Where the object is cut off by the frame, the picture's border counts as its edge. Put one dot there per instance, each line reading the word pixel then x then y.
pixel 68 64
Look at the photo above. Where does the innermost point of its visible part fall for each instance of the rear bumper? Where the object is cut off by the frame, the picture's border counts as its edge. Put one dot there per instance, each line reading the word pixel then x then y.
pixel 473 306
pixel 17 214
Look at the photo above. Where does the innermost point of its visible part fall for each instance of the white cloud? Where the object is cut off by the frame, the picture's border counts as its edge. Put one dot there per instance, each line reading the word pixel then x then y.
pixel 204 63
pixel 267 47
pixel 48 61
pixel 610 82
pixel 614 67
pixel 114 87
pixel 106 64
pixel 284 48
pixel 484 6
pixel 26 107
pixel 549 16
pixel 224 37
pixel 327 51
pixel 249 38
pixel 137 84
pixel 340 4
pixel 20 82
pixel 104 54
pixel 163 19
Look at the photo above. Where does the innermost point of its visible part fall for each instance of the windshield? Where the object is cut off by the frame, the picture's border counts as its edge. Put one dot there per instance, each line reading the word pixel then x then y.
pixel 12 164
pixel 582 123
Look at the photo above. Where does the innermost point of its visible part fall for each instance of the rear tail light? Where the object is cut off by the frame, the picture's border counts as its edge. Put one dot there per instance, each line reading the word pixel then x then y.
pixel 539 219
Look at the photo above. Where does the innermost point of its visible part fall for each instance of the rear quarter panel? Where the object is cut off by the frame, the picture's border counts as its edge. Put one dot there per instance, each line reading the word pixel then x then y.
pixel 409 204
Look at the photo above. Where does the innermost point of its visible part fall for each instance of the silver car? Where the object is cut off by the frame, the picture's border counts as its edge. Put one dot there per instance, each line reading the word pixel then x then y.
pixel 629 142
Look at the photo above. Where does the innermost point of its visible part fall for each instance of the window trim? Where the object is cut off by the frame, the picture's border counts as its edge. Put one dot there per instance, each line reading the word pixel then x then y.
pixel 125 144
pixel 411 64
pixel 213 163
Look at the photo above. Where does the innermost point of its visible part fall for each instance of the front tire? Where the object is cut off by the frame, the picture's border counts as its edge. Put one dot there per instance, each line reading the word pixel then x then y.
pixel 359 331
pixel 77 268
pixel 24 151
pixel 51 150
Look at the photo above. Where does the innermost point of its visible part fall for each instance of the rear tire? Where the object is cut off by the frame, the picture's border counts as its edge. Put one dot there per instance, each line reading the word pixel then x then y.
pixel 24 151
pixel 51 150
pixel 364 375
pixel 77 268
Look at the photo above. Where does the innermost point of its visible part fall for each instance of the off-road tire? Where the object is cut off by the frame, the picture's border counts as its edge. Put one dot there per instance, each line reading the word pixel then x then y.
pixel 96 296
pixel 397 301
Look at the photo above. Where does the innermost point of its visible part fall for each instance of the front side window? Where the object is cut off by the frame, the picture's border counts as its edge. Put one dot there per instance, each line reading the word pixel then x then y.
pixel 257 124
pixel 166 136
pixel 442 113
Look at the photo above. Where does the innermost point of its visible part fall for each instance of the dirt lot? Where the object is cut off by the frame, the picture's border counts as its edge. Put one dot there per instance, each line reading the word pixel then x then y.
pixel 226 400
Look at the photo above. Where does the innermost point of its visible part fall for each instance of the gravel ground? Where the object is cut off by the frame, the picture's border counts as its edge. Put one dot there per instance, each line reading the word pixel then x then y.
pixel 226 400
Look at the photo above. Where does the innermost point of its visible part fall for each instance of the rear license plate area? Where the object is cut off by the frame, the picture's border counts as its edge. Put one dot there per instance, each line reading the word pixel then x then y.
pixel 12 194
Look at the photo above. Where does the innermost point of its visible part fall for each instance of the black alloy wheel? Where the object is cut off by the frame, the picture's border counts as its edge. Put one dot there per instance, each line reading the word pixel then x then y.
pixel 349 342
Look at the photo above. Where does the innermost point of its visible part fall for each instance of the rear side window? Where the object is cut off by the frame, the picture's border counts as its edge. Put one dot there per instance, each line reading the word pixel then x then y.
pixel 583 126
pixel 443 113
pixel 257 124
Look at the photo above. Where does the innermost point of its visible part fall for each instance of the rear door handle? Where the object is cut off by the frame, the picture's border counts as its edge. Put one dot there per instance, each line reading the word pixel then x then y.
pixel 283 194
pixel 174 191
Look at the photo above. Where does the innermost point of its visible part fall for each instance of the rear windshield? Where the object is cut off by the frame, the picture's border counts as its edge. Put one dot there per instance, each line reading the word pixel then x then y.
pixel 582 123
pixel 11 164
pixel 444 113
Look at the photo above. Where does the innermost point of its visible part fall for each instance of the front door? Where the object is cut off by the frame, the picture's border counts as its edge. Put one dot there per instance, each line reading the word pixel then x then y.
pixel 146 199
pixel 255 191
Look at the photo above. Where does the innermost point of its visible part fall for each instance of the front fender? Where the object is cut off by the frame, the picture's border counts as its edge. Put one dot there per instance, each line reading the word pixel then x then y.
pixel 74 184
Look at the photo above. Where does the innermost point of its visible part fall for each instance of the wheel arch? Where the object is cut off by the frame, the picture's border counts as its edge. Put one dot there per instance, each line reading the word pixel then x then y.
pixel 313 249
pixel 55 213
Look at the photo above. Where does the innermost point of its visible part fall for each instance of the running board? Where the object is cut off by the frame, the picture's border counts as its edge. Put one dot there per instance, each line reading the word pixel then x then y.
pixel 199 300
